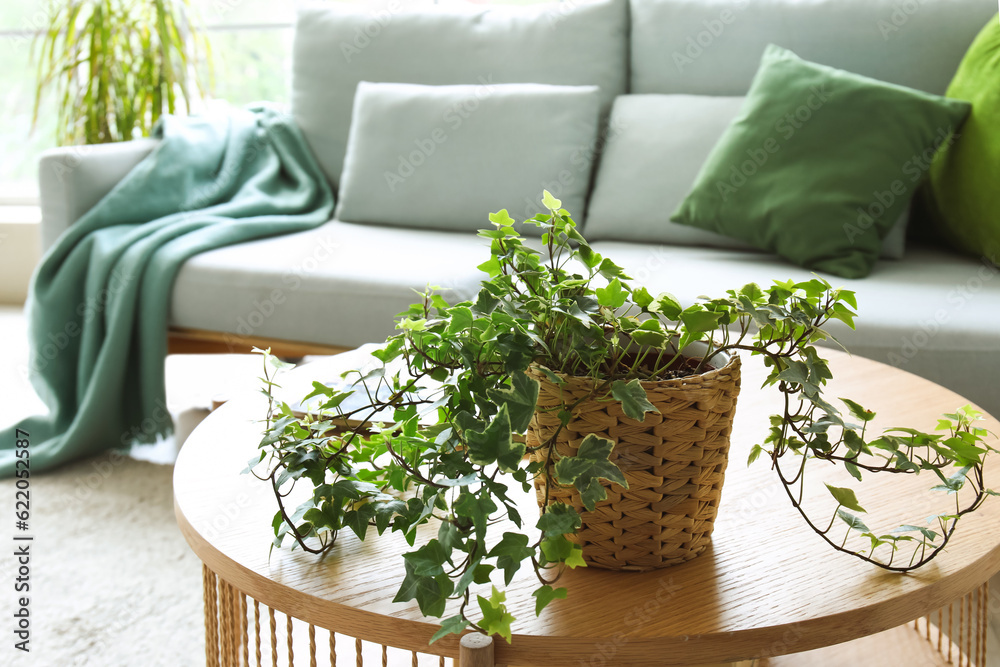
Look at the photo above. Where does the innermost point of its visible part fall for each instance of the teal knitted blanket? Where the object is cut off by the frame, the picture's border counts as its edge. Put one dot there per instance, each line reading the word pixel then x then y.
pixel 99 300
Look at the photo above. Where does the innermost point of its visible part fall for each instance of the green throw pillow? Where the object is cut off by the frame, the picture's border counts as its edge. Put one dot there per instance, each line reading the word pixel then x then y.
pixel 819 163
pixel 962 192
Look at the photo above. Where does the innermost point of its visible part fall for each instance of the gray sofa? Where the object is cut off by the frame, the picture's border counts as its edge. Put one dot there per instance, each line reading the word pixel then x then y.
pixel 932 312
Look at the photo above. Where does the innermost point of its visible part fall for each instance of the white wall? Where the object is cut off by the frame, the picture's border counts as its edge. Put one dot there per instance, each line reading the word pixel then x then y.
pixel 20 250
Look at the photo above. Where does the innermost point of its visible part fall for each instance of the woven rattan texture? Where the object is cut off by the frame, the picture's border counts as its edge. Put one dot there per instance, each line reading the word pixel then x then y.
pixel 674 462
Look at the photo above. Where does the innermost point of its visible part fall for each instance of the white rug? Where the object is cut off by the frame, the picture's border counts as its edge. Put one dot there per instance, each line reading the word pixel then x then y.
pixel 112 580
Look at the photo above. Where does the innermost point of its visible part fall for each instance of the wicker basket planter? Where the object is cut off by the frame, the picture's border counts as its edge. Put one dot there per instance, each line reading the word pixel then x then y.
pixel 674 461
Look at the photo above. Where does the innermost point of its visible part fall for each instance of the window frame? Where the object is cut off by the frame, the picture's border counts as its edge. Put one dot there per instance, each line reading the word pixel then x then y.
pixel 10 196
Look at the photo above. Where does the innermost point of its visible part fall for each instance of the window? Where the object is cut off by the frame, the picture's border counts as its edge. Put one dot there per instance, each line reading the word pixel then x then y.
pixel 251 46
pixel 18 148
pixel 251 43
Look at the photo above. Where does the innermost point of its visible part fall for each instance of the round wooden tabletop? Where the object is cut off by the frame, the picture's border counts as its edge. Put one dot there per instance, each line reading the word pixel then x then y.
pixel 767 586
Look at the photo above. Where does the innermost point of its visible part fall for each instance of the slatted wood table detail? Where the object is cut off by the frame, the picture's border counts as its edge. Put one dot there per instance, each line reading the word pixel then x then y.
pixel 766 587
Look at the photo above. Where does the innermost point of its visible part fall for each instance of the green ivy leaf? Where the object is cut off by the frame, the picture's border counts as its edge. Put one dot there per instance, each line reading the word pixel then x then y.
pixel 319 389
pixel 357 520
pixel 926 532
pixel 431 593
pixel 857 411
pixel 428 560
pixel 853 521
pixel 855 443
pixel 558 549
pixel 326 515
pixel 588 467
pixel 753 292
pixel 501 218
pixel 450 626
pixel 559 519
pixel 610 270
pixel 847 296
pixel 700 321
pixel 667 305
pixel 496 619
pixel 485 303
pixel 845 497
pixel 650 332
pixel 449 535
pixel 635 404
pixel 755 453
pixel 254 462
pixel 465 480
pixel 461 319
pixel 477 509
pixel 385 511
pixel 574 235
pixel 965 453
pixel 612 296
pixel 649 338
pixel 589 258
pixel 491 267
pixel 550 202
pixel 575 558
pixel 495 444
pixel 903 463
pixel 509 552
pixel 520 399
pixel 844 314
pixel 954 483
pixel 481 575
pixel 544 595
pixel 819 369
pixel 795 372
pixel 641 297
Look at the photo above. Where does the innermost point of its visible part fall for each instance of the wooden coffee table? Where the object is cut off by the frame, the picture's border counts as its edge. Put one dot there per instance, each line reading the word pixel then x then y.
pixel 767 587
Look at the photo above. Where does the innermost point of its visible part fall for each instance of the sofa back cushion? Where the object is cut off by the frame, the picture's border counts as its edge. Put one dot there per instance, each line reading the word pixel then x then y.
pixel 712 47
pixel 339 45
pixel 819 164
pixel 655 147
pixel 444 157
pixel 656 144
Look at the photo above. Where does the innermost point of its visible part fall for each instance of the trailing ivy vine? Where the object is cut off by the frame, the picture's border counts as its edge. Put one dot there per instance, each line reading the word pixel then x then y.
pixel 433 433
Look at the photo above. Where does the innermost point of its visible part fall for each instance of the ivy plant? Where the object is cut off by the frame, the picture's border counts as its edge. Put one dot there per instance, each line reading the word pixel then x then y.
pixel 433 434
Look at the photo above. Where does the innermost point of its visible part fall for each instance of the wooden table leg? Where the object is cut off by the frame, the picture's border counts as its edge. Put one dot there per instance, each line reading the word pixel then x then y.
pixel 211 618
pixel 225 622
pixel 476 650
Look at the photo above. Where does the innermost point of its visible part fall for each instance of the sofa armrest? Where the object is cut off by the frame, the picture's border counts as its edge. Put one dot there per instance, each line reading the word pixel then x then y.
pixel 72 179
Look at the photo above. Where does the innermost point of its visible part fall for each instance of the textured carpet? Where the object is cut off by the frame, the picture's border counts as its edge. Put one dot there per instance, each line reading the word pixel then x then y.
pixel 112 580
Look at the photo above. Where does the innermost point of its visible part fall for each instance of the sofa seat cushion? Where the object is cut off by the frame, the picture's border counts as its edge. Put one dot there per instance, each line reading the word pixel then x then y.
pixel 934 313
pixel 338 45
pixel 339 284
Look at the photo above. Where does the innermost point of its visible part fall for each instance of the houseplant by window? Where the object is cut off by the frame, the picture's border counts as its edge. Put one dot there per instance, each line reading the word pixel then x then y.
pixel 114 67
pixel 560 348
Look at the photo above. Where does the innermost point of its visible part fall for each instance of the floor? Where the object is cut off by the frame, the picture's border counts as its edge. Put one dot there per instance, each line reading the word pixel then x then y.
pixel 113 582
